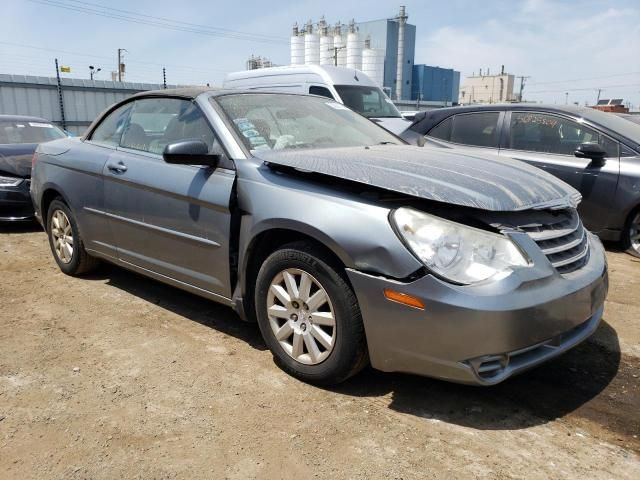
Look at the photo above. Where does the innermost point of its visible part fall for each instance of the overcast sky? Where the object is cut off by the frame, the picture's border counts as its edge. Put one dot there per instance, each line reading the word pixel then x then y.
pixel 574 46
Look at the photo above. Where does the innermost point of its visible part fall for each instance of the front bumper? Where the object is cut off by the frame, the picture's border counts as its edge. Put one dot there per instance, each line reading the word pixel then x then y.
pixel 15 203
pixel 482 334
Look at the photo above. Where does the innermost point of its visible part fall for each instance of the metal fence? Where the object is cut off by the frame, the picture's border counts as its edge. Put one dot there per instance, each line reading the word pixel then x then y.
pixel 80 103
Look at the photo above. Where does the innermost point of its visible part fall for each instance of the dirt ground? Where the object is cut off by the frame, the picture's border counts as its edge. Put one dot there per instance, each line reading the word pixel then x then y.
pixel 117 376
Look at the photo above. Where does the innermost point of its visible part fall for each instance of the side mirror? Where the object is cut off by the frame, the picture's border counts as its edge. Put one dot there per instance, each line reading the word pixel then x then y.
pixel 190 152
pixel 594 151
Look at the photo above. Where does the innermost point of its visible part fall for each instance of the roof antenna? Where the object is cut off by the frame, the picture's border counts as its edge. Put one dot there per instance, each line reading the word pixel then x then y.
pixel 355 75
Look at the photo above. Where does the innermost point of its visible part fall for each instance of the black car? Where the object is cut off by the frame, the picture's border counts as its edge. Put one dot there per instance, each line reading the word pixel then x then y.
pixel 19 137
pixel 596 152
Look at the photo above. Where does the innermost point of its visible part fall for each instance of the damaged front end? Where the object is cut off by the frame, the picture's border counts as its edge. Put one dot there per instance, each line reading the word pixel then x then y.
pixel 469 269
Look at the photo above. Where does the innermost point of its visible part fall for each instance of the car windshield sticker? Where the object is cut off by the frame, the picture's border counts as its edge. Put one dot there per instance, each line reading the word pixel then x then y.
pixel 336 106
pixel 250 132
pixel 40 125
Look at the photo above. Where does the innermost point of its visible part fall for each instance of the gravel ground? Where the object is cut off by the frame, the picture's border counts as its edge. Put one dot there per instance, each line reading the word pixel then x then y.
pixel 117 376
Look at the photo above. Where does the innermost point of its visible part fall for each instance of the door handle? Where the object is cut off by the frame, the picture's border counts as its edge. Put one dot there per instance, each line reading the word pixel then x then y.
pixel 117 167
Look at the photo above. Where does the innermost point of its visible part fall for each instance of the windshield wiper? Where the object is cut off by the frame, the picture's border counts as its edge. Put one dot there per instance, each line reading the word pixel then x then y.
pixel 387 143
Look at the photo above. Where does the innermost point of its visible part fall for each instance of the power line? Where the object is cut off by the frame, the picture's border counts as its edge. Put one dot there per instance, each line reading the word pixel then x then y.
pixel 207 27
pixel 150 21
pixel 586 88
pixel 586 78
pixel 110 58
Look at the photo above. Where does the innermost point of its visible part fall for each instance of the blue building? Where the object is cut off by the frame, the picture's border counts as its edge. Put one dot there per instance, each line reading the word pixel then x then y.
pixel 383 34
pixel 435 84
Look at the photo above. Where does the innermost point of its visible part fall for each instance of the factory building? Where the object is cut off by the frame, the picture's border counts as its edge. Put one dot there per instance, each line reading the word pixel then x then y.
pixel 487 88
pixel 382 49
pixel 435 84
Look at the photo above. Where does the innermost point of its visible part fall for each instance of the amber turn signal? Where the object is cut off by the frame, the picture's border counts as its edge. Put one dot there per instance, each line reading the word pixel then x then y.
pixel 403 298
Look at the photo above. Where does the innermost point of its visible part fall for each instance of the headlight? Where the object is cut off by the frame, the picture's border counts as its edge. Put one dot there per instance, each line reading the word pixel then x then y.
pixel 456 252
pixel 10 181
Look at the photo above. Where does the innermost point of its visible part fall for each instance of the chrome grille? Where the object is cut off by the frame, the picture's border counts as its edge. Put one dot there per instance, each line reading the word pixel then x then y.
pixel 564 241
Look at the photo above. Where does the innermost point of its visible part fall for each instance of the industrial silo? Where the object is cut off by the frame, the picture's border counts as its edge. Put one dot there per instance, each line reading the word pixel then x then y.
pixel 373 63
pixel 326 46
pixel 311 46
pixel 354 47
pixel 297 47
pixel 339 43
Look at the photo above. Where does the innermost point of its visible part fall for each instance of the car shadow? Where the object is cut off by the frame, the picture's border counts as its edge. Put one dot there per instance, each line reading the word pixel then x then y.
pixel 548 392
pixel 20 227
pixel 185 304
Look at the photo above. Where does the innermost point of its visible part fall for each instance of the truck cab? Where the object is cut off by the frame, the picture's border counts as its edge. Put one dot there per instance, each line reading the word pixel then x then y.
pixel 347 86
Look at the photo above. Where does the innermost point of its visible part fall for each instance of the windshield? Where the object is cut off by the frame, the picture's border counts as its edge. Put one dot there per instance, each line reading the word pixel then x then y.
pixel 613 122
pixel 18 131
pixel 631 118
pixel 368 101
pixel 280 121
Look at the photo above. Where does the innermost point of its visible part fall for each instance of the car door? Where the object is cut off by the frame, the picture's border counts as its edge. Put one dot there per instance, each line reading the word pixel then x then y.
pixel 548 141
pixel 91 156
pixel 172 220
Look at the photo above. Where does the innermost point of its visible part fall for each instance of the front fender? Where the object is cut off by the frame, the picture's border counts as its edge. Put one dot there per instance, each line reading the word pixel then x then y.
pixel 356 230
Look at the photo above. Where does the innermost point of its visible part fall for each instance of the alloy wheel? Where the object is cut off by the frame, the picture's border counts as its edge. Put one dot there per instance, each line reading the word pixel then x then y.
pixel 62 236
pixel 301 316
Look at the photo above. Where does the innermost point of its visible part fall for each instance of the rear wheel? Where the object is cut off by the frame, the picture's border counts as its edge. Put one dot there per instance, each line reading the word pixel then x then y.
pixel 309 315
pixel 65 241
pixel 631 234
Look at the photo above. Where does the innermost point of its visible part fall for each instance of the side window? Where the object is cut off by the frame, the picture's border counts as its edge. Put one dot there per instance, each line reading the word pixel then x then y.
pixel 322 91
pixel 110 129
pixel 477 129
pixel 442 130
pixel 539 132
pixel 157 122
pixel 627 152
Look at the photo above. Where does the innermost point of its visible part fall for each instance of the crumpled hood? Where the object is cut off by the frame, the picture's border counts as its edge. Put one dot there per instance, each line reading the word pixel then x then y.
pixel 15 159
pixel 487 182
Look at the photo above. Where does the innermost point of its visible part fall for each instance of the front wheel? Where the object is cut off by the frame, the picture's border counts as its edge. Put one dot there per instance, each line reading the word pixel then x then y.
pixel 631 234
pixel 309 315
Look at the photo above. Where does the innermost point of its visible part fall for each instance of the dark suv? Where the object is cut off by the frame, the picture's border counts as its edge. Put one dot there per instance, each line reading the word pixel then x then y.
pixel 598 153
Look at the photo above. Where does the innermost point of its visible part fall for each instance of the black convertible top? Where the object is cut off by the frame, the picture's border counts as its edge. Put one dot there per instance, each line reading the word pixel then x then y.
pixel 189 92
pixel 23 118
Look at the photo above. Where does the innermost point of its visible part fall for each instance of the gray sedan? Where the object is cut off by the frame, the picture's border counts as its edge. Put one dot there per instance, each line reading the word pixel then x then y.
pixel 347 246
pixel 596 152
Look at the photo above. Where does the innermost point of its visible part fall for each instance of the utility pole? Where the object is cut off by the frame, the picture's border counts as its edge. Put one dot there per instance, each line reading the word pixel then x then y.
pixel 60 98
pixel 120 69
pixel 599 92
pixel 566 98
pixel 522 83
pixel 335 54
pixel 164 78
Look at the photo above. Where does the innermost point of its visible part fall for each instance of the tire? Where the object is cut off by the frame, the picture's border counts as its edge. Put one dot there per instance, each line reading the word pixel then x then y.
pixel 62 230
pixel 631 234
pixel 340 350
